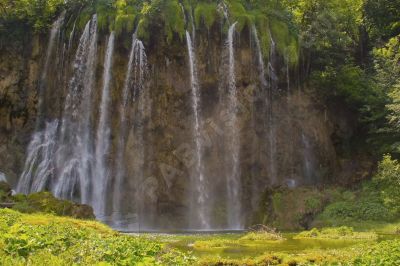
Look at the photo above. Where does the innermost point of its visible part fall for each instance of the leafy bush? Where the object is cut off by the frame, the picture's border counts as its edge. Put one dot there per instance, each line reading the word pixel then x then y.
pixel 369 208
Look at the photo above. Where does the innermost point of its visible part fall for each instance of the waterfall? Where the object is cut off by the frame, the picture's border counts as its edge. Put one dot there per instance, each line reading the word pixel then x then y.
pixel 54 33
pixel 120 166
pixel 260 59
pixel 270 123
pixel 198 182
pixel 143 102
pixel 103 135
pixel 74 156
pixel 134 80
pixel 71 35
pixel 308 160
pixel 234 207
pixel 39 164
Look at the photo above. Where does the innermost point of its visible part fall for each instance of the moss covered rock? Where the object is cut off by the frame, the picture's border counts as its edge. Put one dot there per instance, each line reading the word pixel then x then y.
pixel 45 202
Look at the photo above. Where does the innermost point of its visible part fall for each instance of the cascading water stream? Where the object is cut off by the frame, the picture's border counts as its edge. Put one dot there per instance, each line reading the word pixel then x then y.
pixel 142 97
pixel 234 207
pixel 39 164
pixel 263 86
pixel 74 156
pixel 134 80
pixel 101 173
pixel 260 59
pixel 39 161
pixel 270 126
pixel 200 196
pixel 54 33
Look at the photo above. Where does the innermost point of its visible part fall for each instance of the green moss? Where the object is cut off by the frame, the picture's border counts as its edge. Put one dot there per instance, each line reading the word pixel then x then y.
pixel 45 202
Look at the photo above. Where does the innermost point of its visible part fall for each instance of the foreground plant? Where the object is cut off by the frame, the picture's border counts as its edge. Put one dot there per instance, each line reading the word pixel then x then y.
pixel 49 240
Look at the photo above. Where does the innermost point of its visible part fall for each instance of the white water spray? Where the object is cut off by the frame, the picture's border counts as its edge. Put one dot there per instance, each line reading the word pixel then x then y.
pixel 74 156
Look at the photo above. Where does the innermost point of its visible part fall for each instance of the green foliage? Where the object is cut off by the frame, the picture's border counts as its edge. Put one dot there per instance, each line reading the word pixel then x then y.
pixel 367 207
pixel 39 239
pixel 384 253
pixel 206 13
pixel 377 200
pixel 383 18
pixel 37 13
pixel 125 17
pixel 270 19
pixel 388 183
pixel 343 232
pixel 386 63
pixel 261 236
pixel 174 20
pixel 351 84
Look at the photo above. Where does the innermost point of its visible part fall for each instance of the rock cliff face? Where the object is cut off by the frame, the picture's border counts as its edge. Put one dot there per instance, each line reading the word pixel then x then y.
pixel 284 135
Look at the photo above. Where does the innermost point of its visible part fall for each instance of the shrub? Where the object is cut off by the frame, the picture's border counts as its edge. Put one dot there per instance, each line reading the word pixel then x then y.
pixel 388 180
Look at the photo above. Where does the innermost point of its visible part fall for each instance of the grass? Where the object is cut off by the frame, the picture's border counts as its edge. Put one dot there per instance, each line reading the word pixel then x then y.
pixel 221 242
pixel 215 244
pixel 261 236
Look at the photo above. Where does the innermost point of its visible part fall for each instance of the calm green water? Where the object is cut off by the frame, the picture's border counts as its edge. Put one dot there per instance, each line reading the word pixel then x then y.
pixel 185 242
